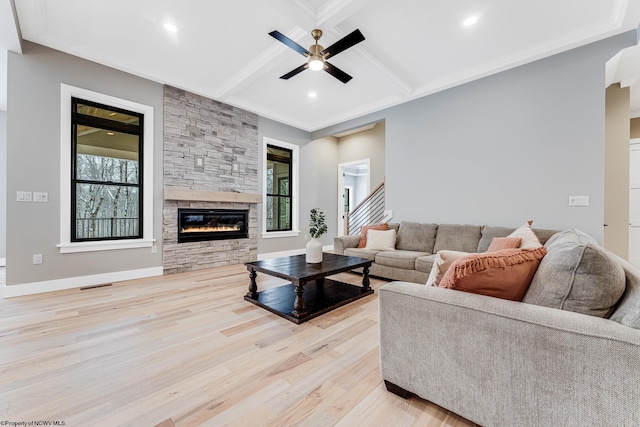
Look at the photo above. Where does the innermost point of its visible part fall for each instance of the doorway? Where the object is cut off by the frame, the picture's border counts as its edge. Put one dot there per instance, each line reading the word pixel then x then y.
pixel 634 202
pixel 354 185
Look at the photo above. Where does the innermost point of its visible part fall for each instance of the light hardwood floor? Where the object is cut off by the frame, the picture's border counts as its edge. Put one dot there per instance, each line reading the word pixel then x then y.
pixel 187 349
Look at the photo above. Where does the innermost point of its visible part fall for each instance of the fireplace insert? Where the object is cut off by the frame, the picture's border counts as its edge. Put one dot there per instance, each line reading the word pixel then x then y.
pixel 212 224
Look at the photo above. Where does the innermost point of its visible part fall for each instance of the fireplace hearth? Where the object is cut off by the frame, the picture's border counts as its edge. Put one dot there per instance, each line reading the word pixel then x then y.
pixel 196 225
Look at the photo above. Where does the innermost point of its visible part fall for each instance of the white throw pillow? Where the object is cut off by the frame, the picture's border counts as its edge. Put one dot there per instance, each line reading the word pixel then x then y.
pixel 529 238
pixel 444 259
pixel 381 240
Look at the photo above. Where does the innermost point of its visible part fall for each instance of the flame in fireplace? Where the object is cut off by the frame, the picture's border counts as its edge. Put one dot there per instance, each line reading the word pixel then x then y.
pixel 209 229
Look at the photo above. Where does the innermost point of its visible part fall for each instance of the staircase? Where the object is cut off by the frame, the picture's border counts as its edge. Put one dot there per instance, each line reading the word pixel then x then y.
pixel 369 211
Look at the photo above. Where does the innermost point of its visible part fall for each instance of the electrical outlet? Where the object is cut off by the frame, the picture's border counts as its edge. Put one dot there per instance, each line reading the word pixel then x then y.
pixel 154 249
pixel 199 163
pixel 37 258
pixel 306 237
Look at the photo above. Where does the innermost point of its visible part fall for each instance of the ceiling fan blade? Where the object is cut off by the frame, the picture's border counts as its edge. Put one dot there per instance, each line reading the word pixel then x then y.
pixel 337 73
pixel 294 72
pixel 286 40
pixel 343 44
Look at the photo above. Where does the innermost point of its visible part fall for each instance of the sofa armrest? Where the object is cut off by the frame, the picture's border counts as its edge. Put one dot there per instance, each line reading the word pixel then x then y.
pixel 499 362
pixel 341 243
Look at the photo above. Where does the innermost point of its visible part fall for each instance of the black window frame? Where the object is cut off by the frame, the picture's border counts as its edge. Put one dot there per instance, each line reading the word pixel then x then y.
pixel 289 161
pixel 109 125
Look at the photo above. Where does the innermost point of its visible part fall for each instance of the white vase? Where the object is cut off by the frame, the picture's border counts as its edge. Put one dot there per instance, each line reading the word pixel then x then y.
pixel 314 251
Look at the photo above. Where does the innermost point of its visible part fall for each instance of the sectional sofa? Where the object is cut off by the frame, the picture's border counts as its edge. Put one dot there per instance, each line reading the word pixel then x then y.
pixel 417 245
pixel 567 355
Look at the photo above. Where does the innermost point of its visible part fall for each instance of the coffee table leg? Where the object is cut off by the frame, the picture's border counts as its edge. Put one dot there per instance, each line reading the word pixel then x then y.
pixel 253 287
pixel 365 278
pixel 299 310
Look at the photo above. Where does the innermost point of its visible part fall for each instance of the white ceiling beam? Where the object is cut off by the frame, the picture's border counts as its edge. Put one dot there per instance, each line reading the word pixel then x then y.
pixel 257 68
pixel 333 12
pixel 396 84
pixel 299 12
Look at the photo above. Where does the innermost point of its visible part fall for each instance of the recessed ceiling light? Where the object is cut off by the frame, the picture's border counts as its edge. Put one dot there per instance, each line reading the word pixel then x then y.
pixel 312 94
pixel 170 27
pixel 470 21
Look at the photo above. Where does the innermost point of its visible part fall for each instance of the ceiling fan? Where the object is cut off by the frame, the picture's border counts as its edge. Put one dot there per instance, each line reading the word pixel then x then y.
pixel 317 55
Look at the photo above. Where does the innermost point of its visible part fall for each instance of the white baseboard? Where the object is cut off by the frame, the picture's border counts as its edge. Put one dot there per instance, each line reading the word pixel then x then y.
pixel 3 262
pixel 77 282
pixel 289 253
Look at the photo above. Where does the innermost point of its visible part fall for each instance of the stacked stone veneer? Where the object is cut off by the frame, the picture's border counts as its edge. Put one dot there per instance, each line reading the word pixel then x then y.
pixel 224 136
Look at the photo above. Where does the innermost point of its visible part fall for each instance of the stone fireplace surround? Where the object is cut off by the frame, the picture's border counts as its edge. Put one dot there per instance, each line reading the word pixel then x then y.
pixel 223 142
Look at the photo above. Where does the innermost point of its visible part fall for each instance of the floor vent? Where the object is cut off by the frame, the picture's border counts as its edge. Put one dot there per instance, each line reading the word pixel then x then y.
pixel 96 286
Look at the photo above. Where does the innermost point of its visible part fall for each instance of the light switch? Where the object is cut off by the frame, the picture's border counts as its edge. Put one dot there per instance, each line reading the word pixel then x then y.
pixel 40 197
pixel 23 196
pixel 578 200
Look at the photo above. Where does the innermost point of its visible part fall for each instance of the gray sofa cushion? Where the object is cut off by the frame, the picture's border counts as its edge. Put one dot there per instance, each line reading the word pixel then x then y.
pixel 425 263
pixel 577 275
pixel 628 309
pixel 414 236
pixel 544 234
pixel 399 259
pixel 361 252
pixel 455 237
pixel 489 232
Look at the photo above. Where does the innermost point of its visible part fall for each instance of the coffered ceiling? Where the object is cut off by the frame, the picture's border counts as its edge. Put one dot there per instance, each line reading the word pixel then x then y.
pixel 413 48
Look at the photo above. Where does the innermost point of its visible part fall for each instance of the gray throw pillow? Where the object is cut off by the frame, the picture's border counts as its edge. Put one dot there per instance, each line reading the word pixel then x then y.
pixel 577 275
pixel 415 236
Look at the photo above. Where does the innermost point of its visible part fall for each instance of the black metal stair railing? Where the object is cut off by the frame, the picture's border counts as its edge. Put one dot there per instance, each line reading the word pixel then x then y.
pixel 369 211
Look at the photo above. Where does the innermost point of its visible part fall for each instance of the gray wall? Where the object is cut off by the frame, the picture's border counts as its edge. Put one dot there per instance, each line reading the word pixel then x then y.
pixel 3 184
pixel 318 182
pixel 506 148
pixel 368 144
pixel 33 148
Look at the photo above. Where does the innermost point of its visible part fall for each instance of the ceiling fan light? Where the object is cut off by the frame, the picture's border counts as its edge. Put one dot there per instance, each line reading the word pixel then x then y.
pixel 316 64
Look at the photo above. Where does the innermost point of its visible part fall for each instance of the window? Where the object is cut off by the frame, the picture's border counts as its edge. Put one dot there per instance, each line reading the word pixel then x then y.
pixel 106 181
pixel 106 172
pixel 280 212
pixel 278 189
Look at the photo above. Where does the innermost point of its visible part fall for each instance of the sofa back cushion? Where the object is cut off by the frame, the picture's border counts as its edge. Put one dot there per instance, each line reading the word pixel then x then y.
pixel 627 311
pixel 414 236
pixel 457 237
pixel 489 232
pixel 577 275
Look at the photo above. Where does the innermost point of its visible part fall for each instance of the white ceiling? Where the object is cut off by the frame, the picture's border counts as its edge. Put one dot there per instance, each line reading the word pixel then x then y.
pixel 222 49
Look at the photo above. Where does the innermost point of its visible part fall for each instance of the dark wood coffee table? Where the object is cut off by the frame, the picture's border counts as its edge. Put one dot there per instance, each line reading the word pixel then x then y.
pixel 309 294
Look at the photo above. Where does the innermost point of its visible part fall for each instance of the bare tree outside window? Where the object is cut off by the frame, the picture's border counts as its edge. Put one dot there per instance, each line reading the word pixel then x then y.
pixel 107 175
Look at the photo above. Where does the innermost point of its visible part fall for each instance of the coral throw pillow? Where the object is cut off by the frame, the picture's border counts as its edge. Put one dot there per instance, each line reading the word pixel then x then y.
pixel 500 243
pixel 503 274
pixel 363 233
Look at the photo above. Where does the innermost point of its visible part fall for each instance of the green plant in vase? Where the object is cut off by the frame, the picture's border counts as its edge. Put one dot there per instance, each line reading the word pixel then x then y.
pixel 317 228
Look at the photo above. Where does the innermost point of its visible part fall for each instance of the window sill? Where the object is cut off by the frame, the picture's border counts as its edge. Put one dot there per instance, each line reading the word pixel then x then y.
pixel 278 234
pixel 108 245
